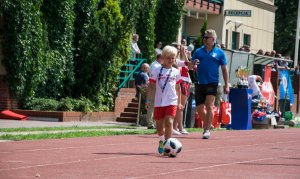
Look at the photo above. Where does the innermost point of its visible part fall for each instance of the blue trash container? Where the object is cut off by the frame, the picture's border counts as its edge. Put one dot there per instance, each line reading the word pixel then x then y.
pixel 240 100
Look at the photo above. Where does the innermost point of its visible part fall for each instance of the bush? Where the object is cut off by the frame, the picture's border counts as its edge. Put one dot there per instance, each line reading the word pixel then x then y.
pixel 42 104
pixel 65 104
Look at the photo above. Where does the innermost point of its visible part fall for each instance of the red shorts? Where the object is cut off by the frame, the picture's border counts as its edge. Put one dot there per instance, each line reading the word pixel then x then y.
pixel 185 88
pixel 162 112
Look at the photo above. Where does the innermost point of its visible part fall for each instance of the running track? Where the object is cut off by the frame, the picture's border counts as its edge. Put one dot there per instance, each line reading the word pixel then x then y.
pixel 272 153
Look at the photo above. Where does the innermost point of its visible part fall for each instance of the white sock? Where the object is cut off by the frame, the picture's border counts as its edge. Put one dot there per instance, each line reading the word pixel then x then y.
pixel 162 138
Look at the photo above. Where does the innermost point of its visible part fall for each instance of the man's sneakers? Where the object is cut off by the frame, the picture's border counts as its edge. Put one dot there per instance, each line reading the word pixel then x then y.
pixel 175 132
pixel 160 147
pixel 184 132
pixel 206 134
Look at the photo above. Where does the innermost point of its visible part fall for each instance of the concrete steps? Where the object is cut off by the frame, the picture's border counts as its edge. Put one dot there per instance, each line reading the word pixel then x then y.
pixel 130 113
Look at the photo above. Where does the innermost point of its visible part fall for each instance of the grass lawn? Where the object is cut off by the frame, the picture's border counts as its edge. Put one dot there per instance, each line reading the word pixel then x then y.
pixel 38 133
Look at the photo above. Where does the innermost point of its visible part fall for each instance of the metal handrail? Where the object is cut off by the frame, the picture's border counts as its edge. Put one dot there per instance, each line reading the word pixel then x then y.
pixel 130 74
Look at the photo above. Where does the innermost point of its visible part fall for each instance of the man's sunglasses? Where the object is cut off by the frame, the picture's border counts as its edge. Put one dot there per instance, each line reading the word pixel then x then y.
pixel 206 37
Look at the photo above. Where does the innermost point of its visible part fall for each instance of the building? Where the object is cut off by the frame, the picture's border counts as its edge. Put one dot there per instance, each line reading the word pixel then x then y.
pixel 237 22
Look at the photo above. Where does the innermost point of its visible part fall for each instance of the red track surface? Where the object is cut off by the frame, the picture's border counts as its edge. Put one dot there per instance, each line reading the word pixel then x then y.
pixel 273 153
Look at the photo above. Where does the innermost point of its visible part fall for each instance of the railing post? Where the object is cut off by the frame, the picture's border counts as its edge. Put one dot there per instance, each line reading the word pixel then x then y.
pixel 139 109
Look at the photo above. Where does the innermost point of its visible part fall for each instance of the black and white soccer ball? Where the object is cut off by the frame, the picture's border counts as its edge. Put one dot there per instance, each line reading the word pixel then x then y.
pixel 172 147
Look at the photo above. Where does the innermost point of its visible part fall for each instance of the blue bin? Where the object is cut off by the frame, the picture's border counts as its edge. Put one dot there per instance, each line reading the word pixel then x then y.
pixel 240 100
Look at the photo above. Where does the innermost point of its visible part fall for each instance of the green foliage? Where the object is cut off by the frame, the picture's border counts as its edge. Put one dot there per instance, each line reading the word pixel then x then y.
pixel 202 33
pixel 42 104
pixel 59 20
pixel 145 28
pixel 168 19
pixel 99 70
pixel 23 49
pixel 65 104
pixel 84 10
pixel 129 10
pixel 285 26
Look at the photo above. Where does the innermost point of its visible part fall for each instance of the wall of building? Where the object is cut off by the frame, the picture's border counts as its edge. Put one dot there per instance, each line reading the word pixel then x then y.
pixel 260 25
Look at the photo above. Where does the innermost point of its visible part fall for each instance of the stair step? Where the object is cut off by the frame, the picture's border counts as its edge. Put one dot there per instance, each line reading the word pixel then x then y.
pixel 135 100
pixel 131 104
pixel 126 119
pixel 129 114
pixel 131 109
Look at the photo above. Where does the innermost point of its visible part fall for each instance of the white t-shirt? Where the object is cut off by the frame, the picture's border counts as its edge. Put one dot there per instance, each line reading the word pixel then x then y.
pixel 253 85
pixel 157 51
pixel 165 94
pixel 154 65
pixel 134 49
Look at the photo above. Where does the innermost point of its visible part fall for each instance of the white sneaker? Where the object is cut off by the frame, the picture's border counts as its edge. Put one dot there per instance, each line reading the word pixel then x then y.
pixel 175 132
pixel 206 134
pixel 184 132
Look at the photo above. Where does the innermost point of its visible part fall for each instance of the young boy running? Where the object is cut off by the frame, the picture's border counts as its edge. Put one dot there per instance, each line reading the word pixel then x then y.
pixel 164 84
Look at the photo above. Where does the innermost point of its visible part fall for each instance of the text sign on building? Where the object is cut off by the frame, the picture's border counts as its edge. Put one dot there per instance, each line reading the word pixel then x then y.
pixel 244 13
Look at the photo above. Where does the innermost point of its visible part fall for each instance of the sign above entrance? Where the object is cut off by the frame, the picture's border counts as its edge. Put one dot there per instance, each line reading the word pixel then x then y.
pixel 244 13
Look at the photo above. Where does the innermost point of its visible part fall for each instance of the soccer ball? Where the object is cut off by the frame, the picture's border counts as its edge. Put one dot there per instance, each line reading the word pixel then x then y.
pixel 172 147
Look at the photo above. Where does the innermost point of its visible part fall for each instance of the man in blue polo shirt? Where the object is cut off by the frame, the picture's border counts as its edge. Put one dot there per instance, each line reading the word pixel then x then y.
pixel 209 58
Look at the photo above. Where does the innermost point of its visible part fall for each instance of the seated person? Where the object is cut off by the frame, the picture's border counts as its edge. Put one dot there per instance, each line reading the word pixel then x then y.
pixel 141 78
pixel 252 84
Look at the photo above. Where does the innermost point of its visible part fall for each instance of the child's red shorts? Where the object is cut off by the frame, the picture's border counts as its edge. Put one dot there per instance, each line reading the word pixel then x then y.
pixel 162 112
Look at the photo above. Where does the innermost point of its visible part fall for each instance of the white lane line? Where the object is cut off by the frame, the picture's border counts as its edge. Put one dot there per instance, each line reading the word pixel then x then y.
pixel 130 156
pixel 67 148
pixel 63 163
pixel 249 145
pixel 82 147
pixel 211 166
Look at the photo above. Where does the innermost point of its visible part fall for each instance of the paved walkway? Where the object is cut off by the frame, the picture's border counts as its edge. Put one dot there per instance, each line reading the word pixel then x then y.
pixel 33 123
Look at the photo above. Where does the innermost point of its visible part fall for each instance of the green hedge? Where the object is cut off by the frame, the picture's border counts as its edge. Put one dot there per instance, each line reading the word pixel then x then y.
pixel 65 104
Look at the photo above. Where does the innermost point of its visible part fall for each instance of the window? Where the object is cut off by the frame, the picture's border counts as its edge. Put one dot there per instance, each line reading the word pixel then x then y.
pixel 247 39
pixel 235 41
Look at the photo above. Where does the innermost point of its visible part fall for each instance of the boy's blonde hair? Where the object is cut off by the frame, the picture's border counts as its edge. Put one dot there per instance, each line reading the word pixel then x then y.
pixel 169 51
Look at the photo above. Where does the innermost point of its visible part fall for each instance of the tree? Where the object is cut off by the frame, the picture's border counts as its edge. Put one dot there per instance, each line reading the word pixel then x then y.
pixel 285 26
pixel 202 33
pixel 99 69
pixel 168 19
pixel 145 28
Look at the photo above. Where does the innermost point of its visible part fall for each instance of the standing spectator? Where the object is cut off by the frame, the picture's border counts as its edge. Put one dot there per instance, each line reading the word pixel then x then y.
pixel 157 49
pixel 183 42
pixel 246 48
pixel 134 46
pixel 273 53
pixel 209 59
pixel 141 78
pixel 267 53
pixel 185 92
pixel 192 46
pixel 164 85
pixel 154 66
pixel 223 46
pixel 260 52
